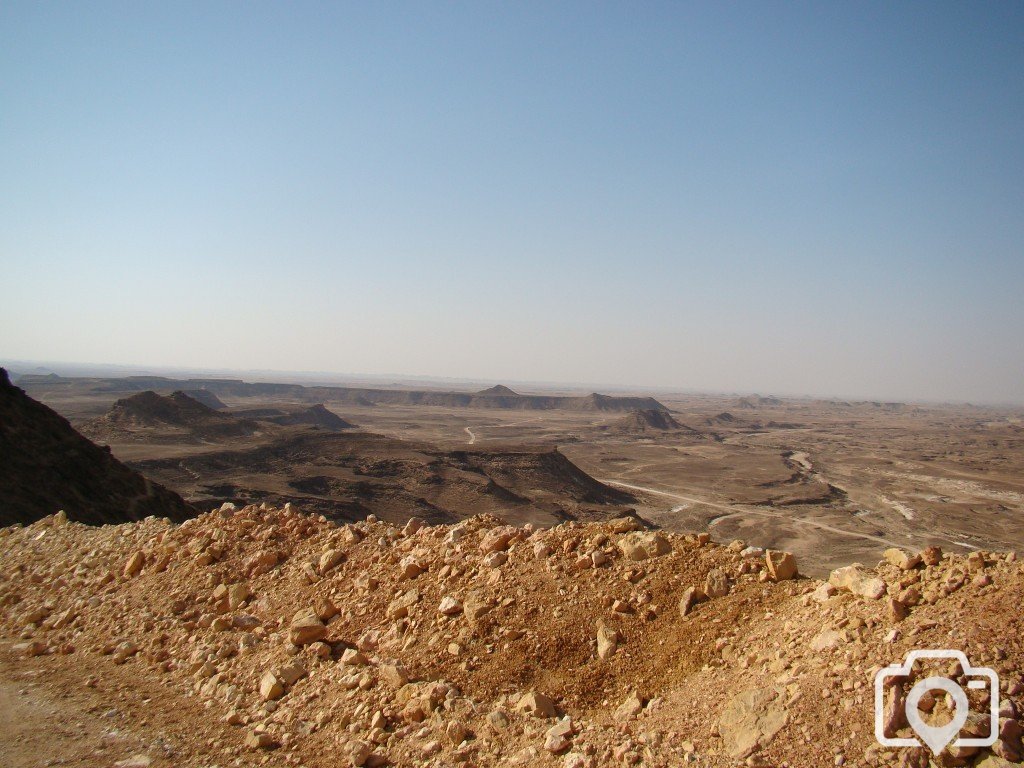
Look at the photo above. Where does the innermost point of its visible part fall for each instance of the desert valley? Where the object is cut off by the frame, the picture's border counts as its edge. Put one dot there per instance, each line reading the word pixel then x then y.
pixel 280 574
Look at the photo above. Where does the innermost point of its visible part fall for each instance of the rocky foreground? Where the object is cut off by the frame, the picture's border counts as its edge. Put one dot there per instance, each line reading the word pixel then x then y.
pixel 274 637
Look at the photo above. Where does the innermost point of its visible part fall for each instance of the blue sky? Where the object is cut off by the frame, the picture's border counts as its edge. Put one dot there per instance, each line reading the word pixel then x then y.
pixel 781 197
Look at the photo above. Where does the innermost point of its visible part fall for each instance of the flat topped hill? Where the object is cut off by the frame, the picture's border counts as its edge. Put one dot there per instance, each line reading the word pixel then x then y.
pixel 648 419
pixel 314 416
pixel 207 398
pixel 46 466
pixel 499 396
pixel 757 401
pixel 149 408
pixel 174 415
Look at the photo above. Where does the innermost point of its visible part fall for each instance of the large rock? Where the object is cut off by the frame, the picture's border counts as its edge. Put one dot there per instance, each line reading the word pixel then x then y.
pixel 901 559
pixel 856 579
pixel 717 583
pixel 306 628
pixel 641 546
pixel 781 565
pixel 750 721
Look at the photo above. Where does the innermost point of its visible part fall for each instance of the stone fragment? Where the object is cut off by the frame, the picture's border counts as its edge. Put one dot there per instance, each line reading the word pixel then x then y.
pixel 644 545
pixel 931 555
pixel 855 579
pixel 399 607
pixel 306 628
pixel 630 708
pixel 750 721
pixel 449 606
pixel 559 736
pixel 238 595
pixel 781 565
pixel 495 560
pixel 901 559
pixel 270 687
pixel 717 583
pixel 412 526
pixel 536 704
pixel 607 642
pixel 497 540
pixel 691 597
pixel 354 658
pixel 134 564
pixel 330 559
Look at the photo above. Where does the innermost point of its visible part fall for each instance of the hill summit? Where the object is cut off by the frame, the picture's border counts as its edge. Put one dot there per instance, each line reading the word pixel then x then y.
pixel 498 390
pixel 176 413
pixel 646 419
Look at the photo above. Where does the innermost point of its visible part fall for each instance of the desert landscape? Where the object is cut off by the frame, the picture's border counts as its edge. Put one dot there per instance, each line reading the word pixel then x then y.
pixel 473 385
pixel 371 579
pixel 833 482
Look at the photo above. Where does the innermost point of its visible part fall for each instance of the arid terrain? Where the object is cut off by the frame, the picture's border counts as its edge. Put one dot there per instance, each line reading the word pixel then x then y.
pixel 432 579
pixel 834 482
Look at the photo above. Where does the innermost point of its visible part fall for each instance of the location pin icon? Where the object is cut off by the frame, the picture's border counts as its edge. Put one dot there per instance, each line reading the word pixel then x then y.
pixel 937 738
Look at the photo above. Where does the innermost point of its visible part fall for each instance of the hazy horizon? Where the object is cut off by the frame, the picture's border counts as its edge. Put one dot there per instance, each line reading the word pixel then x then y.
pixel 798 199
pixel 456 383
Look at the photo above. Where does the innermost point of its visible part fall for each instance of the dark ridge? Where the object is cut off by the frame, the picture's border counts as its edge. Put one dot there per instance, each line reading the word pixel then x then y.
pixel 46 466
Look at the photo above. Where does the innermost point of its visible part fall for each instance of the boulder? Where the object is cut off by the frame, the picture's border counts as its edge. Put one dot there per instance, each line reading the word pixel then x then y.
pixel 901 559
pixel 306 628
pixel 717 583
pixel 857 580
pixel 781 565
pixel 644 545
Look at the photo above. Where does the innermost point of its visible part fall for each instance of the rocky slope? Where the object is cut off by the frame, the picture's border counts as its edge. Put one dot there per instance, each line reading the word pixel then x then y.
pixel 314 644
pixel 45 466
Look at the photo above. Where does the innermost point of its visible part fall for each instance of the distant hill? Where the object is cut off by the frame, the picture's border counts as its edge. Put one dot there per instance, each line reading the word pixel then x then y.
pixel 756 401
pixel 46 466
pixel 315 416
pixel 176 414
pixel 498 390
pixel 648 420
pixel 499 397
pixel 722 419
pixel 206 397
